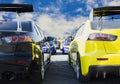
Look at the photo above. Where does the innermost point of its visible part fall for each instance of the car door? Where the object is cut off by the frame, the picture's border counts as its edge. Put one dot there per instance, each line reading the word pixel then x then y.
pixel 75 45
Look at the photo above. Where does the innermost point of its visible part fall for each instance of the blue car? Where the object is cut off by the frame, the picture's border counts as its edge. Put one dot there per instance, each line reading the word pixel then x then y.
pixel 52 48
pixel 65 48
pixel 45 47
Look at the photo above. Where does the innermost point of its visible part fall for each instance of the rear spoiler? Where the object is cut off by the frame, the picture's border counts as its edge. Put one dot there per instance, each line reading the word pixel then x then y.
pixel 104 11
pixel 19 8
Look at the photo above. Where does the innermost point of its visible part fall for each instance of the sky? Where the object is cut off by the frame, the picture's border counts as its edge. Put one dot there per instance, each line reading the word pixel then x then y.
pixel 59 18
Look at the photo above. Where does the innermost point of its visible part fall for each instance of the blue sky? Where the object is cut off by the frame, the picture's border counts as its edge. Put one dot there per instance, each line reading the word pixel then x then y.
pixel 56 17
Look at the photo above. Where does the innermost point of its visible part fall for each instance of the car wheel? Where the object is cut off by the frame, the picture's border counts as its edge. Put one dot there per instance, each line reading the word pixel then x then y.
pixel 49 60
pixel 42 70
pixel 78 69
pixel 79 75
pixel 63 52
pixel 69 61
pixel 35 72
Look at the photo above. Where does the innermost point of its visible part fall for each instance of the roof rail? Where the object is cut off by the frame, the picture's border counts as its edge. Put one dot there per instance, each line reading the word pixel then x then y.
pixel 105 11
pixel 19 8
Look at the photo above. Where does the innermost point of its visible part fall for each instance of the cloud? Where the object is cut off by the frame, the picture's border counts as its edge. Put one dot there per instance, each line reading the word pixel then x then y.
pixel 78 0
pixel 79 10
pixel 70 1
pixel 50 9
pixel 27 16
pixel 59 25
pixel 91 4
pixel 17 1
pixel 114 3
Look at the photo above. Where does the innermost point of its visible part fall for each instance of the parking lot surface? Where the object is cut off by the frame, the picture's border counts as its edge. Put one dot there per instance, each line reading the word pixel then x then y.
pixel 60 72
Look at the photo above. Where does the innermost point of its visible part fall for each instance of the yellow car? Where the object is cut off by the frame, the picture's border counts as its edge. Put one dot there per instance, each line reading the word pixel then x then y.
pixel 95 50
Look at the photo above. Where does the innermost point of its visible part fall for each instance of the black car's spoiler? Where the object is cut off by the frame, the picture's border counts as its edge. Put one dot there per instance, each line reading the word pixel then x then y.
pixel 19 8
pixel 104 11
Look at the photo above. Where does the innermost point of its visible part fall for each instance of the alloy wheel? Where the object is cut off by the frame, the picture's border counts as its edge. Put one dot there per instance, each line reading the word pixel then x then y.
pixel 42 71
pixel 77 69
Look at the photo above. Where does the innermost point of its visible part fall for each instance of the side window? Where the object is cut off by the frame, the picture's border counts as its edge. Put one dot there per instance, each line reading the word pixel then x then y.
pixel 36 30
pixel 80 31
pixel 37 33
pixel 41 32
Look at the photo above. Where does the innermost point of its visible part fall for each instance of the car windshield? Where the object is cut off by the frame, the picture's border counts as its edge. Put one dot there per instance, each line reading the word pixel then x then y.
pixel 66 44
pixel 108 22
pixel 51 43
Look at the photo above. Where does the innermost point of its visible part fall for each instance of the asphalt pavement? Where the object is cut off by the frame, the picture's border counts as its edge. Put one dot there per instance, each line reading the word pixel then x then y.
pixel 60 72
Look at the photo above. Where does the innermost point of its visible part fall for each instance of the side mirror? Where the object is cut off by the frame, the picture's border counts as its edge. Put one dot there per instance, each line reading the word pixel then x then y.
pixel 71 38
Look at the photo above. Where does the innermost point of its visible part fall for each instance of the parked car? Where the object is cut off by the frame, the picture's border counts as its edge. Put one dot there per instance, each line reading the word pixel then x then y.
pixel 20 51
pixel 65 48
pixel 57 44
pixel 52 47
pixel 47 53
pixel 45 47
pixel 95 50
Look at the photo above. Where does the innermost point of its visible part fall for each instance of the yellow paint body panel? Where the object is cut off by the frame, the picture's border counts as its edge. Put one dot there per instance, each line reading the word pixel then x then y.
pixel 91 50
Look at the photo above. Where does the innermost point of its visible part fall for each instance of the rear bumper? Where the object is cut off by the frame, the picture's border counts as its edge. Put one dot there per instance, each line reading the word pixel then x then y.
pixel 108 69
pixel 106 62
pixel 16 63
pixel 13 68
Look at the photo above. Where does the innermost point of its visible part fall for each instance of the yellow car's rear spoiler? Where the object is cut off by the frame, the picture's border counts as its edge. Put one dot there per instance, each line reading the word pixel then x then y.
pixel 16 8
pixel 105 11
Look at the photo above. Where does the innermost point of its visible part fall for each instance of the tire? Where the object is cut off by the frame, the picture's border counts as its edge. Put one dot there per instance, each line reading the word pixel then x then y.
pixel 69 61
pixel 79 75
pixel 63 52
pixel 35 73
pixel 42 69
pixel 49 60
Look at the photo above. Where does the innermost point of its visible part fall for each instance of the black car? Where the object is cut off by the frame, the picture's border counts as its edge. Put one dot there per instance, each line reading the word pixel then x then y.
pixel 20 50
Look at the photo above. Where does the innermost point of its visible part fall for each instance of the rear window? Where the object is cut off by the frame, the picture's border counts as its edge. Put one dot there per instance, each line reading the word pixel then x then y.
pixel 108 22
pixel 26 26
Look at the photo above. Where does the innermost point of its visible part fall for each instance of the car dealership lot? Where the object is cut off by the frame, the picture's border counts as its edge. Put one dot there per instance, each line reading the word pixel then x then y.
pixel 60 72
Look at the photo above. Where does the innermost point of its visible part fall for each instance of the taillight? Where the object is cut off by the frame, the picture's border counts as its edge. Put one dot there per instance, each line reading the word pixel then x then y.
pixel 102 37
pixel 25 38
pixel 21 38
pixel 14 38
pixel 21 62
